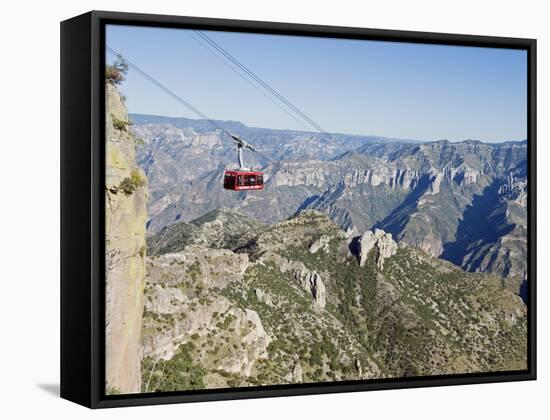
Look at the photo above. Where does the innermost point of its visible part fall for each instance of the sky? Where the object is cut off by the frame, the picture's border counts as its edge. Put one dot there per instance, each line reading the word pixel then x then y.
pixel 401 90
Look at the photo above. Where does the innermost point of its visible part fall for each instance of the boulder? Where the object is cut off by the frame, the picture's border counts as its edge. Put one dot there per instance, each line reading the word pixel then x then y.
pixel 320 244
pixel 311 280
pixel 297 372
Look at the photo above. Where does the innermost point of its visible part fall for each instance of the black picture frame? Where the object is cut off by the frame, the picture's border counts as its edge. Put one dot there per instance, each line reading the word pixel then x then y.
pixel 82 207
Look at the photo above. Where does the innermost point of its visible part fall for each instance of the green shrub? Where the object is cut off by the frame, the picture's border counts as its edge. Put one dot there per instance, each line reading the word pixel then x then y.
pixel 194 270
pixel 129 184
pixel 121 124
pixel 112 391
pixel 177 374
pixel 116 73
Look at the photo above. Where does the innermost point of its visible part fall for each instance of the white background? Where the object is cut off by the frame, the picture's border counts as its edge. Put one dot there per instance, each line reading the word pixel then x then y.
pixel 29 245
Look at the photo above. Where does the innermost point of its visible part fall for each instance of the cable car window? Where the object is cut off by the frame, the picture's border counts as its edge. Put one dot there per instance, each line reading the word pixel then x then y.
pixel 229 181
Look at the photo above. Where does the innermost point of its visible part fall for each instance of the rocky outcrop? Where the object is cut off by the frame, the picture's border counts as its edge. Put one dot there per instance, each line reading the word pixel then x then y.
pixel 263 297
pixel 125 219
pixel 295 174
pixel 204 267
pixel 359 367
pixel 396 177
pixel 297 374
pixel 308 279
pixel 320 244
pixel 173 319
pixel 313 281
pixel 379 240
pixel 183 306
pixel 514 190
pixel 435 184
pixel 464 175
pixel 219 228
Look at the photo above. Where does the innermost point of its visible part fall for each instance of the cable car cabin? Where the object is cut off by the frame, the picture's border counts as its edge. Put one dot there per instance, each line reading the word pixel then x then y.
pixel 243 180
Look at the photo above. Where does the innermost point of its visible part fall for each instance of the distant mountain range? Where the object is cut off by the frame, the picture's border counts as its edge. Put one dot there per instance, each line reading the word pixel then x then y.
pixel 464 202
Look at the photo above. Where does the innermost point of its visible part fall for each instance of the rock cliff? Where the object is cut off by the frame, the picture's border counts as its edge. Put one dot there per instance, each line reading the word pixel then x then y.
pixel 125 217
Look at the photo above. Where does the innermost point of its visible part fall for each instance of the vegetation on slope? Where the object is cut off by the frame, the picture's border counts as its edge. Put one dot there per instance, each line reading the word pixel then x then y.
pixel 415 315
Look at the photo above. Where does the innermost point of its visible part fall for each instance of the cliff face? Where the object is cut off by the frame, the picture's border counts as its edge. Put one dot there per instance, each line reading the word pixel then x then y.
pixel 125 219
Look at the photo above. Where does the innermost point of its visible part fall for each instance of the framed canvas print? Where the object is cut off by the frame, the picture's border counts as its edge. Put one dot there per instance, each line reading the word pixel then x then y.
pixel 255 209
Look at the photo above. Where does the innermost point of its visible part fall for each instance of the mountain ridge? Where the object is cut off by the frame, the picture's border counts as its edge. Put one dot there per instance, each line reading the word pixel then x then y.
pixel 201 124
pixel 419 192
pixel 219 228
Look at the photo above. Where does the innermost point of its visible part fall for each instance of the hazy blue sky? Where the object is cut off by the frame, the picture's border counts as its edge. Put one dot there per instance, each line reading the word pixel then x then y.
pixel 423 92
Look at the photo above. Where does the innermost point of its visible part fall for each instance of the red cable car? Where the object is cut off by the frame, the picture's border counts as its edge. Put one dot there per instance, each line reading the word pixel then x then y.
pixel 242 179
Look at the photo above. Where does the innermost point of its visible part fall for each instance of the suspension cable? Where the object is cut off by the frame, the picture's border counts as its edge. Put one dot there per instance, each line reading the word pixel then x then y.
pixel 247 80
pixel 271 90
pixel 217 126
pixel 178 98
pixel 168 91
